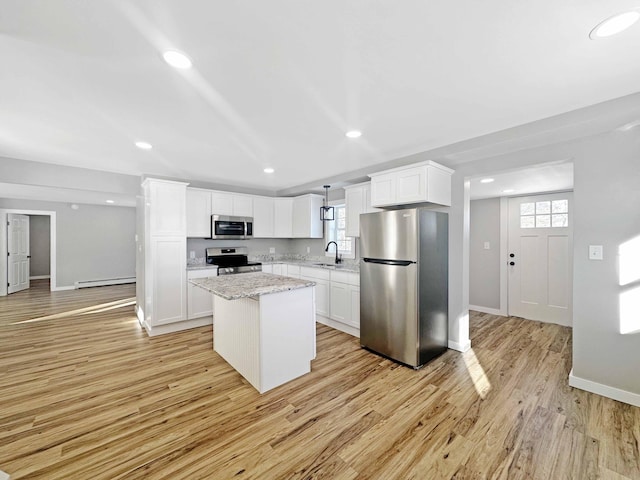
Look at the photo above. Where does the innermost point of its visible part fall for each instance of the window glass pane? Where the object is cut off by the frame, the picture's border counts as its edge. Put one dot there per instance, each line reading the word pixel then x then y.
pixel 543 207
pixel 341 223
pixel 527 222
pixel 560 206
pixel 527 208
pixel 560 220
pixel 543 221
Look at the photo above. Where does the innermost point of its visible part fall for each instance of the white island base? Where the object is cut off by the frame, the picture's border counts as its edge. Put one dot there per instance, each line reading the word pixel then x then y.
pixel 269 339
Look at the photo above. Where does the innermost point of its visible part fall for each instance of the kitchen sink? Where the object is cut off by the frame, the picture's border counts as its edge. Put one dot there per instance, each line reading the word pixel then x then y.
pixel 333 265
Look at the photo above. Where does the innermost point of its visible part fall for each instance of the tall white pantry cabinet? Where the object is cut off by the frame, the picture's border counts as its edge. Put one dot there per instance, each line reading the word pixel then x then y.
pixel 162 295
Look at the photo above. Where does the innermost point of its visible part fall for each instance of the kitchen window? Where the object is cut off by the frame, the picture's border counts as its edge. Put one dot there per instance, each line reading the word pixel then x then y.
pixel 336 231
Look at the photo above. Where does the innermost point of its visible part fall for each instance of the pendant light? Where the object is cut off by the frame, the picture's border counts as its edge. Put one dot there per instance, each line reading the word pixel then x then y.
pixel 326 212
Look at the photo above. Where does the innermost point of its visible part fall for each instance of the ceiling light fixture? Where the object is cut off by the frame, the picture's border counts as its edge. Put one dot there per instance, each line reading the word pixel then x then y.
pixel 614 24
pixel 487 180
pixel 110 201
pixel 508 190
pixel 354 134
pixel 268 170
pixel 326 212
pixel 144 145
pixel 177 59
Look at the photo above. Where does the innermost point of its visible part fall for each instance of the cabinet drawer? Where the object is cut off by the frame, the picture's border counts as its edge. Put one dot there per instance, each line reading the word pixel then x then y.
pixel 350 278
pixel 318 273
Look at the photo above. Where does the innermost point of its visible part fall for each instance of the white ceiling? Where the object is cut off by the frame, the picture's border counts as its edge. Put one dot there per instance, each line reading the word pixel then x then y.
pixel 277 83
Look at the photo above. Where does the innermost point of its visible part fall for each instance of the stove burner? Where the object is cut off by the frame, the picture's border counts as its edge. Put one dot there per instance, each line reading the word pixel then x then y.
pixel 231 260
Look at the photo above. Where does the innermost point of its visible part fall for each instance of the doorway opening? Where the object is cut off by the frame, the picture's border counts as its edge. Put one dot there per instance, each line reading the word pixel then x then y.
pixel 5 246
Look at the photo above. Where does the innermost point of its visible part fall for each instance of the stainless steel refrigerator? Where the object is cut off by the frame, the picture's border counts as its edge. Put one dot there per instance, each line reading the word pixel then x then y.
pixel 404 295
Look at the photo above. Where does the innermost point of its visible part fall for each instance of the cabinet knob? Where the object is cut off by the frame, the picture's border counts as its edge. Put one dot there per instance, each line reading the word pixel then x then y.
pixel 512 263
pixel 512 255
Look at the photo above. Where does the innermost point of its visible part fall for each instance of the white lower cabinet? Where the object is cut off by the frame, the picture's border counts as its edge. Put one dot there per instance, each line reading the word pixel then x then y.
pixel 292 271
pixel 345 298
pixel 167 275
pixel 322 278
pixel 199 301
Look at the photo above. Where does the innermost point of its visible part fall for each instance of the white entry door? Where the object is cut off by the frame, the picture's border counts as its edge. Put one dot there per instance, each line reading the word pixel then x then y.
pixel 540 257
pixel 18 248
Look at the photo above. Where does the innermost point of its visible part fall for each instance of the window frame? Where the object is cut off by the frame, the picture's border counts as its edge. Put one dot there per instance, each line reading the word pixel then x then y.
pixel 330 225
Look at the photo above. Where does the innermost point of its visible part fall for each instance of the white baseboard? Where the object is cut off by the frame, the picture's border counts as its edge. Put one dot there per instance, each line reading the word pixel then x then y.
pixel 604 390
pixel 39 277
pixel 60 289
pixel 176 327
pixel 338 326
pixel 460 347
pixel 490 311
pixel 105 282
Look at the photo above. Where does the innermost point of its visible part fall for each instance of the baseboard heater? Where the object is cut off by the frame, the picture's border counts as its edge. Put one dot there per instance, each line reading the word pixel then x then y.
pixel 105 282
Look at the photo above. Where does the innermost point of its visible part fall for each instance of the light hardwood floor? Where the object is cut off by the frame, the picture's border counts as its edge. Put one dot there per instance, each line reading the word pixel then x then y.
pixel 86 394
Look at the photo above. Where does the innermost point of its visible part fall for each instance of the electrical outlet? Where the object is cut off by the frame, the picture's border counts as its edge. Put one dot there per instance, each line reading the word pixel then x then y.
pixel 487 246
pixel 272 249
pixel 192 254
pixel 308 249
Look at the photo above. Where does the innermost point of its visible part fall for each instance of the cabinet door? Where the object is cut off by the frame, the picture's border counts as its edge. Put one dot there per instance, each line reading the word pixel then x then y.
pixel 340 302
pixel 277 268
pixel 301 206
pixel 293 271
pixel 242 205
pixel 168 264
pixel 221 203
pixel 198 213
pixel 354 293
pixel 283 217
pixel 199 301
pixel 168 208
pixel 411 185
pixel 306 217
pixel 263 217
pixel 383 190
pixel 322 297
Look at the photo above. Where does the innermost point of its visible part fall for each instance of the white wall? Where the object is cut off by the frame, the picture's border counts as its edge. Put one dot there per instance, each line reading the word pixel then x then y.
pixel 606 206
pixel 93 242
pixel 484 265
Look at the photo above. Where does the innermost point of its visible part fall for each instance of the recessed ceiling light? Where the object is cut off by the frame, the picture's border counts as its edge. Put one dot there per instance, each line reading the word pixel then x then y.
pixel 487 180
pixel 177 59
pixel 144 145
pixel 508 190
pixel 615 24
pixel 268 170
pixel 110 201
pixel 354 134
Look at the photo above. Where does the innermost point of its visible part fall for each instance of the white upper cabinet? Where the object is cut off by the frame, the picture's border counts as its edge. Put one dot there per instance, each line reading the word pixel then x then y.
pixel 263 217
pixel 283 217
pixel 243 205
pixel 225 203
pixel 221 203
pixel 198 213
pixel 357 201
pixel 167 206
pixel 420 183
pixel 306 216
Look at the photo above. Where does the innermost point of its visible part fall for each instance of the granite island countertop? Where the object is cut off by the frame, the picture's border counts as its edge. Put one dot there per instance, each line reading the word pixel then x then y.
pixel 243 285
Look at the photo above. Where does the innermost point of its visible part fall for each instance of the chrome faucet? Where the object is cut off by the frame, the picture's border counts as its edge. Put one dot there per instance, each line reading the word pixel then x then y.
pixel 338 258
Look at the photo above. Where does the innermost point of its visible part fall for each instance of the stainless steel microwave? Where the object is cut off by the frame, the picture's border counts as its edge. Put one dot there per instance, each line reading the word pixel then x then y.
pixel 224 227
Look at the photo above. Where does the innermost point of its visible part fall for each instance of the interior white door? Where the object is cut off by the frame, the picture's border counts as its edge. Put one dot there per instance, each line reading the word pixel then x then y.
pixel 540 257
pixel 18 248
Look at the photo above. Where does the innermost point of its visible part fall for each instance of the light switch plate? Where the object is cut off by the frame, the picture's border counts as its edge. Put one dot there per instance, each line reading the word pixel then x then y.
pixel 487 246
pixel 272 249
pixel 192 254
pixel 595 252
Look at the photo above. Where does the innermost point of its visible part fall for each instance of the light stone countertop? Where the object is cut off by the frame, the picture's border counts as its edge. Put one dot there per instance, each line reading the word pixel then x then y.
pixel 328 265
pixel 243 285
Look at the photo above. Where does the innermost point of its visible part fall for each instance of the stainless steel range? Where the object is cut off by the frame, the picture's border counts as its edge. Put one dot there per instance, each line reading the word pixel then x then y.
pixel 231 260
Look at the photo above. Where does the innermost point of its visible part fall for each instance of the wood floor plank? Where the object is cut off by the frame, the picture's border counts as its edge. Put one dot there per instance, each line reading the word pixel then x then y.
pixel 86 394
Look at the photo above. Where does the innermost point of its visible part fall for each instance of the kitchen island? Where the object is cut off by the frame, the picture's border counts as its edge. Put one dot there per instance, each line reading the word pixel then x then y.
pixel 264 325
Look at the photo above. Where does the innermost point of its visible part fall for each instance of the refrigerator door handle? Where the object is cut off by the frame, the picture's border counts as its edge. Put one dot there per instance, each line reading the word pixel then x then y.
pixel 399 263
